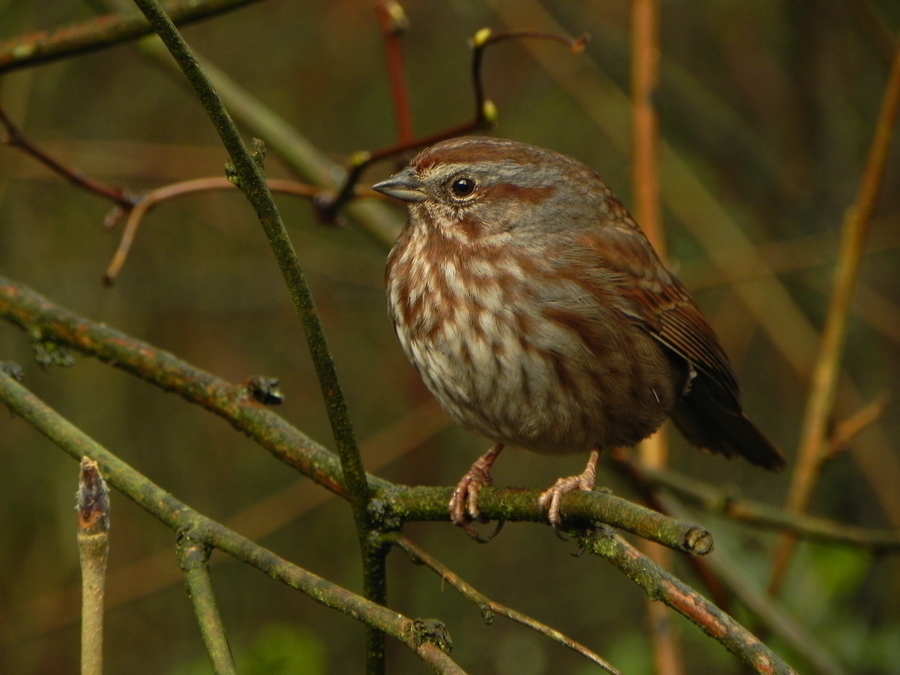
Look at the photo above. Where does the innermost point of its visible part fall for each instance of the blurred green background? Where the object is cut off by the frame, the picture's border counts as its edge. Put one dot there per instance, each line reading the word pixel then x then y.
pixel 771 104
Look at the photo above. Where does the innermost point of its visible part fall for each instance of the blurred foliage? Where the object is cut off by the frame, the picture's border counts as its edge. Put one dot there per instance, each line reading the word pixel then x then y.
pixel 772 103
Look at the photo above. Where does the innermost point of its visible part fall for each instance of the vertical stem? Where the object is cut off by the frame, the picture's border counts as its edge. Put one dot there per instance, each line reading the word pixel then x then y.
pixel 824 383
pixel 93 549
pixel 253 184
pixel 193 556
pixel 393 22
pixel 653 451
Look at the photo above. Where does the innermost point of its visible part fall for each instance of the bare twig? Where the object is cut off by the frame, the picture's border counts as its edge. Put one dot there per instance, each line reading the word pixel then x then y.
pixel 148 200
pixel 848 429
pixel 393 22
pixel 485 116
pixel 16 139
pixel 488 607
pixel 93 549
pixel 193 558
pixel 824 384
pixel 767 610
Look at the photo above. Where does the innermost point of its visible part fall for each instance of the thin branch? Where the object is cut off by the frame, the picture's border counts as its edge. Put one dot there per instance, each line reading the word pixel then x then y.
pixel 485 116
pixel 150 574
pixel 99 33
pixel 16 139
pixel 393 22
pixel 93 549
pixel 179 517
pixel 824 384
pixel 488 607
pixel 193 558
pixel 148 200
pixel 848 429
pixel 759 514
pixel 660 585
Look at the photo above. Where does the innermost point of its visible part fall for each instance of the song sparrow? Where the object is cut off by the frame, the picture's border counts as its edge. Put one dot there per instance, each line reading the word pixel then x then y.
pixel 539 315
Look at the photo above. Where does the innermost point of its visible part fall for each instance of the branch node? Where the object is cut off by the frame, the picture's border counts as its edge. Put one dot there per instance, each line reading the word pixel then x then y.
pixel 429 630
pixel 480 38
pixel 258 152
pixel 264 390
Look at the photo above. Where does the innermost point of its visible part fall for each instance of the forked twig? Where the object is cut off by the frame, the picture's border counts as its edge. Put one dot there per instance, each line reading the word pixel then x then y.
pixel 485 116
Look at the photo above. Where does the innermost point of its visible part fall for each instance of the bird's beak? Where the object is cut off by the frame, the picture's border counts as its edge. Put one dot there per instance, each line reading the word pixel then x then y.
pixel 403 186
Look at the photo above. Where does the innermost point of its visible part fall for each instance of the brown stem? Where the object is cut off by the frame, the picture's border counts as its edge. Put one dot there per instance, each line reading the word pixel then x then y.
pixel 16 139
pixel 485 116
pixel 824 384
pixel 393 22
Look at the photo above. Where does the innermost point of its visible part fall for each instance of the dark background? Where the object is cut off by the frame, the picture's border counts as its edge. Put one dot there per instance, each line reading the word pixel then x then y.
pixel 771 104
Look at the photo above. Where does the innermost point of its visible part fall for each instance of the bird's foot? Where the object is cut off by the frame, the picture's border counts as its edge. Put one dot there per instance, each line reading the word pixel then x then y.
pixel 549 499
pixel 463 505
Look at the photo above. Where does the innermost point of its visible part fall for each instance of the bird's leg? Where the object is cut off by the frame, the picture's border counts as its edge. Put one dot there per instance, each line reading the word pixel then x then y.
pixel 549 499
pixel 464 504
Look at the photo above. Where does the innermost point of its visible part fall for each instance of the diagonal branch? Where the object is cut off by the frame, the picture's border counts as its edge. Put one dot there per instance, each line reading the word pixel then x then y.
pixel 104 31
pixel 179 517
pixel 826 373
pixel 489 607
pixel 660 585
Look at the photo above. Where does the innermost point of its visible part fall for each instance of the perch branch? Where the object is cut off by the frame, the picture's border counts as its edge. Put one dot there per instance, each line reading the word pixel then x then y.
pixel 46 322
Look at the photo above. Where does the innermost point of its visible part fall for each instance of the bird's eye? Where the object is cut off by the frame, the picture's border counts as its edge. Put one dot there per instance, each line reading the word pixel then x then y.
pixel 462 187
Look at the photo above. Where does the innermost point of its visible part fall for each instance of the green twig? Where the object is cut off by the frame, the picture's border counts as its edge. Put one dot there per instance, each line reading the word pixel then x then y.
pixel 193 557
pixel 93 549
pixel 715 500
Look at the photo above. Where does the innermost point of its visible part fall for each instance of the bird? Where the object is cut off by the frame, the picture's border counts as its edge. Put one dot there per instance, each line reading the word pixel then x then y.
pixel 540 316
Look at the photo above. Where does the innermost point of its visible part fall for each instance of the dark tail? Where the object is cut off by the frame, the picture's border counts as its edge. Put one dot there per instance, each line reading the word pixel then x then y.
pixel 707 420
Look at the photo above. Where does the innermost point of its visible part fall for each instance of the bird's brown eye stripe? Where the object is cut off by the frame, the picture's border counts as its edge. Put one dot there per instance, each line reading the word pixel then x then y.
pixel 462 187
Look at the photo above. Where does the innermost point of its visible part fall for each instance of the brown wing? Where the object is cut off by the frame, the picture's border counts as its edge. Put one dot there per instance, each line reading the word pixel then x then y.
pixel 710 414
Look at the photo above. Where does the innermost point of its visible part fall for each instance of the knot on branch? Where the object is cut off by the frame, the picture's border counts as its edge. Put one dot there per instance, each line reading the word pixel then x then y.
pixel 264 390
pixel 49 352
pixel 428 630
